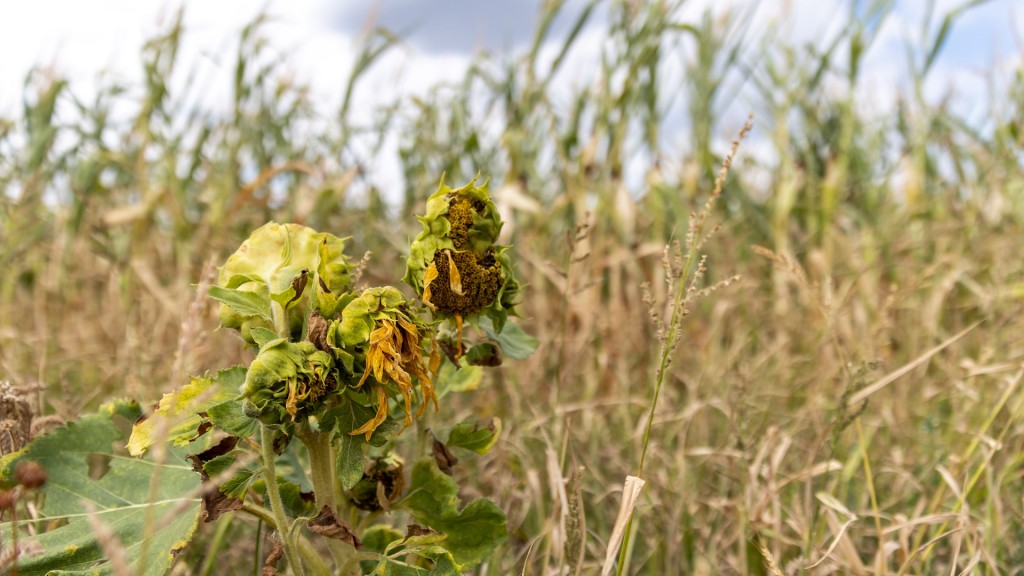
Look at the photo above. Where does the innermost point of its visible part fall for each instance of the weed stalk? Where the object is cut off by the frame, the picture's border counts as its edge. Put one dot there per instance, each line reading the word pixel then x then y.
pixel 686 282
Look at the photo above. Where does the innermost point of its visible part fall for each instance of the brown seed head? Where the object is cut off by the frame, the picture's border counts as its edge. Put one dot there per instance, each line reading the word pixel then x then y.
pixel 30 475
pixel 480 279
pixel 461 210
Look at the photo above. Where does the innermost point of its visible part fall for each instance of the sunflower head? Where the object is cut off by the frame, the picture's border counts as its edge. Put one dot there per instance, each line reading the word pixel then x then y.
pixel 287 382
pixel 454 264
pixel 379 327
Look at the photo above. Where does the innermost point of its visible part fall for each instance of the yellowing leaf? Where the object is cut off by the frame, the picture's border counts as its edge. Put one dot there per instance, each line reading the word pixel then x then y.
pixel 479 438
pixel 472 532
pixel 177 419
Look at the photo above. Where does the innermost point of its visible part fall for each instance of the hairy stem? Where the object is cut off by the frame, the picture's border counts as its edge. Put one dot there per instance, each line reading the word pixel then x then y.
pixel 220 536
pixel 306 550
pixel 280 317
pixel 326 488
pixel 322 474
pixel 274 495
pixel 312 557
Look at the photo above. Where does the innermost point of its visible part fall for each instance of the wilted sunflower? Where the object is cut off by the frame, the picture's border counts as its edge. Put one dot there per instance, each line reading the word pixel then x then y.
pixel 287 381
pixel 378 323
pixel 454 264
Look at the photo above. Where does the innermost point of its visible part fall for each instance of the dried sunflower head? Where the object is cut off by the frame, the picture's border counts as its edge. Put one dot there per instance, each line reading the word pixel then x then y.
pixel 454 264
pixel 284 263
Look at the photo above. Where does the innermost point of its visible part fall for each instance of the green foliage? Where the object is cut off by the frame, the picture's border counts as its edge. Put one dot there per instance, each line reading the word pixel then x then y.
pixel 362 314
pixel 241 479
pixel 283 263
pixel 472 532
pixel 353 449
pixel 473 435
pixel 511 338
pixel 146 528
pixel 303 384
pixel 891 228
pixel 241 305
pixel 282 374
pixel 379 536
pixel 458 379
pixel 442 566
pixel 420 552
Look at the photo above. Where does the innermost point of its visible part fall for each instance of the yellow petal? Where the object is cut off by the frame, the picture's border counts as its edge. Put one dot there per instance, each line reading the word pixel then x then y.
pixel 292 404
pixel 378 419
pixel 454 278
pixel 408 405
pixel 458 324
pixel 435 357
pixel 429 395
pixel 429 276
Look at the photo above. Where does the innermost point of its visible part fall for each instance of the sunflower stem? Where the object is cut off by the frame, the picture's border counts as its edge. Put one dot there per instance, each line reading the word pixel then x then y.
pixel 318 445
pixel 326 487
pixel 276 505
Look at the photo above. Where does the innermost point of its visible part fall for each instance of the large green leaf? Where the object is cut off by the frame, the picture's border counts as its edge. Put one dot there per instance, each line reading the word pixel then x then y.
pixel 238 484
pixel 473 532
pixel 149 529
pixel 457 379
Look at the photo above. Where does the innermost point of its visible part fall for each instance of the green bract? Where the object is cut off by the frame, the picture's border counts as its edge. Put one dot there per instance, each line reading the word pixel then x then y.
pixel 360 316
pixel 182 416
pixel 454 264
pixel 267 282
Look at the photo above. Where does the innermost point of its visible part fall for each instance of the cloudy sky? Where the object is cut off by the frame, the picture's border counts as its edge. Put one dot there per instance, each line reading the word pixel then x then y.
pixel 82 40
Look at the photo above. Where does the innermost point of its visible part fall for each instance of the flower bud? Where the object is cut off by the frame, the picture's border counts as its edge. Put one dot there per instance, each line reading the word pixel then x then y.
pixel 287 380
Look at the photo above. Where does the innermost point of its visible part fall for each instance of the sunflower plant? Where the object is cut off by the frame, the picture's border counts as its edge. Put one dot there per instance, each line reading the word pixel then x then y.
pixel 313 436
